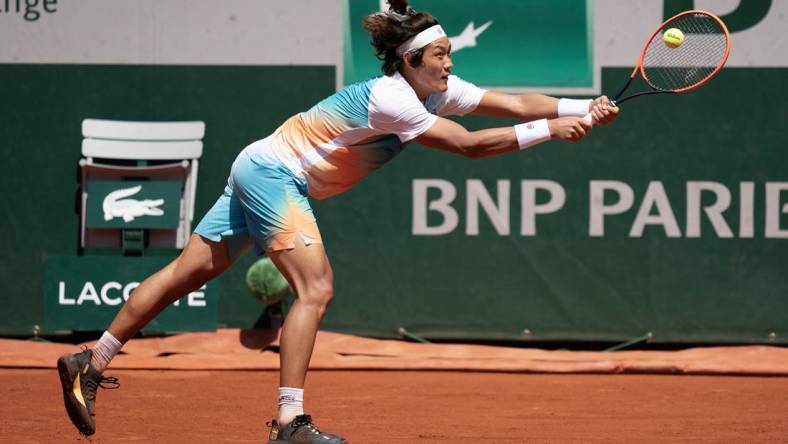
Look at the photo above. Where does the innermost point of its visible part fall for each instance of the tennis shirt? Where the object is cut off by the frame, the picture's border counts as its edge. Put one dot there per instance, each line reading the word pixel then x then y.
pixel 356 130
pixel 320 153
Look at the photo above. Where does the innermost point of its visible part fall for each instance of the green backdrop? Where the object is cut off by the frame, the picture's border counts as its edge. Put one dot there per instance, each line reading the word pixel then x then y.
pixel 42 112
pixel 564 284
pixel 561 284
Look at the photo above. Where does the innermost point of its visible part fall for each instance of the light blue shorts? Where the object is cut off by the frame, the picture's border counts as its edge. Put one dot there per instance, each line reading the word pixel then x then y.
pixel 263 203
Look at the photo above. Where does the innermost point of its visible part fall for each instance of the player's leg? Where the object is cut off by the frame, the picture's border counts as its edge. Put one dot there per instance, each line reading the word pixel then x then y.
pixel 308 271
pixel 200 261
pixel 80 375
pixel 281 223
pixel 220 238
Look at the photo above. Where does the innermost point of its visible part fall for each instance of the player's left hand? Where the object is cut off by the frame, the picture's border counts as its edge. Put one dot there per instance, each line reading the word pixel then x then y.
pixel 602 111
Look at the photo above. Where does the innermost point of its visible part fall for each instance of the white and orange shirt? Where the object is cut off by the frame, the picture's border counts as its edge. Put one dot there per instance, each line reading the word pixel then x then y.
pixel 359 128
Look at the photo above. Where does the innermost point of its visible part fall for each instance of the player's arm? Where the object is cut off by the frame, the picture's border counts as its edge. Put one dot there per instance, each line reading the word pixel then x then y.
pixel 450 136
pixel 527 107
pixel 523 107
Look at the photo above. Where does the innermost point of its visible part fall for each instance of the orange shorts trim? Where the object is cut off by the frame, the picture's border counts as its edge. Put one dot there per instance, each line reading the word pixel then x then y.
pixel 286 240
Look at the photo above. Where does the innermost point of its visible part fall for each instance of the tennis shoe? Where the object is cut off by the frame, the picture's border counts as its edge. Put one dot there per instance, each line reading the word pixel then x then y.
pixel 301 431
pixel 80 380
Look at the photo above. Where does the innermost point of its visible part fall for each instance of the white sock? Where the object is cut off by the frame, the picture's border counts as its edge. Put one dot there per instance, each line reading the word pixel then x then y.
pixel 291 404
pixel 104 350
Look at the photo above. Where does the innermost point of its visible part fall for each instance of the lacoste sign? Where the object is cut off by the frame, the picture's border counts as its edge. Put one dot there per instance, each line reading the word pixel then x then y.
pixel 119 204
pixel 85 292
pixel 112 293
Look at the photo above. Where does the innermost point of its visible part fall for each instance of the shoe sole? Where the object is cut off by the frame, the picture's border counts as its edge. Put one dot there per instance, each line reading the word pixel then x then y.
pixel 279 441
pixel 66 368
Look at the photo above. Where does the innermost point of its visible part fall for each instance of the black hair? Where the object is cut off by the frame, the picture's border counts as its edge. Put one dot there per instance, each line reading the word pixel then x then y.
pixel 391 29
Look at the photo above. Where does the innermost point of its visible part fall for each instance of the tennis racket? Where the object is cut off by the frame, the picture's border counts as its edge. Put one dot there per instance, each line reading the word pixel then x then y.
pixel 667 68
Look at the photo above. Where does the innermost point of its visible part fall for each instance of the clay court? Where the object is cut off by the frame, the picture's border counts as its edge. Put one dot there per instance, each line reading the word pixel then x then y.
pixel 467 183
pixel 221 388
pixel 389 407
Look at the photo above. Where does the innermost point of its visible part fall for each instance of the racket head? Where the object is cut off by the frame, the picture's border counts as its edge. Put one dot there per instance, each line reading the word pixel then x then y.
pixel 703 53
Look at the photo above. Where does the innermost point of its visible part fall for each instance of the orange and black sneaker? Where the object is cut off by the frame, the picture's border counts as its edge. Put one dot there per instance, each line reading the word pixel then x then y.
pixel 301 431
pixel 79 381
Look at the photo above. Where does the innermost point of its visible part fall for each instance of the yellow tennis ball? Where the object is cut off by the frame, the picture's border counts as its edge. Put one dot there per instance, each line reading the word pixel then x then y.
pixel 673 38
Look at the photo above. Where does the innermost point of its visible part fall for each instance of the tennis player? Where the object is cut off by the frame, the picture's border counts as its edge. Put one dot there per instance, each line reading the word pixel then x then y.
pixel 320 153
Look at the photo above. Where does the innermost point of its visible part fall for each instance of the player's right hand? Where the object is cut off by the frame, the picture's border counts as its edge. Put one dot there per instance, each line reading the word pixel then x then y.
pixel 568 129
pixel 603 111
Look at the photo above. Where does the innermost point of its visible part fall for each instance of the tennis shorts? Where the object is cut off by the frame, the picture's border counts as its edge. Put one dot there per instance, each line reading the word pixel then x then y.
pixel 263 203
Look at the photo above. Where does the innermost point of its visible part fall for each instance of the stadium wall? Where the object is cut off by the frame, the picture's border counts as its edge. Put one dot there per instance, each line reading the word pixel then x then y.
pixel 519 247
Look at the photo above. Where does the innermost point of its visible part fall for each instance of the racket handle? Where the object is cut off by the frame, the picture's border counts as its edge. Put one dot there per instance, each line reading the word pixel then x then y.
pixel 589 119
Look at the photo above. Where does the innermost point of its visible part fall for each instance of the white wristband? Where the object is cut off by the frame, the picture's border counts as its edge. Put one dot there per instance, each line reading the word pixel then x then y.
pixel 573 107
pixel 531 133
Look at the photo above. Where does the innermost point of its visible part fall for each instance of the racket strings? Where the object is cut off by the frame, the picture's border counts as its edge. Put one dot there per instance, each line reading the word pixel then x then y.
pixel 704 49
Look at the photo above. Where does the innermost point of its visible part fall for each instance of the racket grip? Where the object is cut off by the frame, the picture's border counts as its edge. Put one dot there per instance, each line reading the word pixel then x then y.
pixel 589 119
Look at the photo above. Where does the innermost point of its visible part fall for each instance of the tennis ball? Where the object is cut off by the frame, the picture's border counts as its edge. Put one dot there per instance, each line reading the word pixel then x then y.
pixel 673 38
pixel 266 282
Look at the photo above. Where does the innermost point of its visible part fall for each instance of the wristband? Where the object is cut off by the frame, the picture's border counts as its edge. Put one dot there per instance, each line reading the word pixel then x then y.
pixel 573 107
pixel 531 133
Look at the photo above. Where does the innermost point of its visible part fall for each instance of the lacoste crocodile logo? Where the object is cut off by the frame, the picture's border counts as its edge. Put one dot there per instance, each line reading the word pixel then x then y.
pixel 116 204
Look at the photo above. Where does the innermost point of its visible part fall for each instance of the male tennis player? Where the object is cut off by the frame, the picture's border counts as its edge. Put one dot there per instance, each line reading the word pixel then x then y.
pixel 320 153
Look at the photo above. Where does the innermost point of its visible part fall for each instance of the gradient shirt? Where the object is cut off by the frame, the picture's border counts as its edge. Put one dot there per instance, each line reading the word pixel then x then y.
pixel 353 132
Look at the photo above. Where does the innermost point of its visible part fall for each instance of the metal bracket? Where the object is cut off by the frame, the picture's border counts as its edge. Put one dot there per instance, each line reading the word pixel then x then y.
pixel 406 334
pixel 645 338
pixel 133 242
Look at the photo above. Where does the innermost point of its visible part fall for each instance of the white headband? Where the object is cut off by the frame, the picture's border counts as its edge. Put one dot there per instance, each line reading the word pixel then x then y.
pixel 421 39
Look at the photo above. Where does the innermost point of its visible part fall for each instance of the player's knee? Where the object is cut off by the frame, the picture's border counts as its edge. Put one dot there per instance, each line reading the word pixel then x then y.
pixel 318 294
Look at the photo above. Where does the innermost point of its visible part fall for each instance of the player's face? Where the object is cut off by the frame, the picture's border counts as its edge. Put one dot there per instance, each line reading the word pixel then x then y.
pixel 433 73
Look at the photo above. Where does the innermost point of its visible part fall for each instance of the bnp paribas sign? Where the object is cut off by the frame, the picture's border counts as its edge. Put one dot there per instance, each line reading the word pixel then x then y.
pixel 84 293
pixel 143 204
pixel 510 45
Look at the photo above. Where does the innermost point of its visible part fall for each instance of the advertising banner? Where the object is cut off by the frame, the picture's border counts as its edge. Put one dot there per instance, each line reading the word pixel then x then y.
pixel 507 45
pixel 85 293
pixel 668 223
pixel 128 204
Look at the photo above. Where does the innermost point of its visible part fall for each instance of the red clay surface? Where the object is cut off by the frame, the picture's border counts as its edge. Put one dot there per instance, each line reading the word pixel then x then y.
pixel 234 349
pixel 382 407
